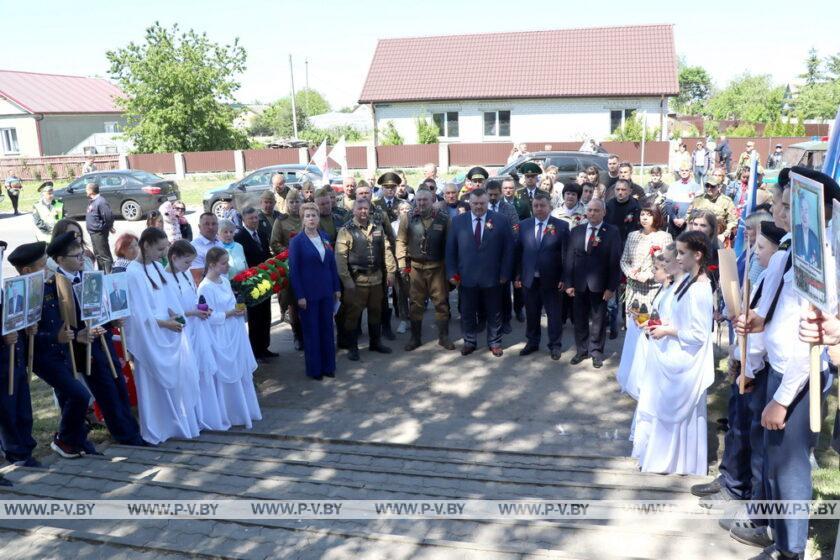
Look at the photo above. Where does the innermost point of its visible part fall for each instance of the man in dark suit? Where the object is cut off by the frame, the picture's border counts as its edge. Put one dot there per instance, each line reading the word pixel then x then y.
pixel 119 300
pixel 479 259
pixel 806 241
pixel 540 250
pixel 497 203
pixel 592 273
pixel 257 252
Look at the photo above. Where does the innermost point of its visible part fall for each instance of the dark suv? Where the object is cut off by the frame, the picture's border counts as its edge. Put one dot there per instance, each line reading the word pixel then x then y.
pixel 569 164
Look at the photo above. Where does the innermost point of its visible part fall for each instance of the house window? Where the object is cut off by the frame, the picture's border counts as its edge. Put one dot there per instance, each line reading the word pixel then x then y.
pixel 112 126
pixel 447 124
pixel 497 123
pixel 9 140
pixel 619 116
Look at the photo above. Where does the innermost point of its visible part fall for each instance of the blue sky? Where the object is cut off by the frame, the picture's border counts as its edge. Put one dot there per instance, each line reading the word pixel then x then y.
pixel 339 37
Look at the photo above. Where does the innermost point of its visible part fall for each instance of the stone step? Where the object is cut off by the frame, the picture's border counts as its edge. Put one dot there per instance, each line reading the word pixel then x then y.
pixel 321 465
pixel 523 539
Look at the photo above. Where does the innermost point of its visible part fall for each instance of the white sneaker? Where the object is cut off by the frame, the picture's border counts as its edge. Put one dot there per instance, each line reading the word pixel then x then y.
pixel 402 328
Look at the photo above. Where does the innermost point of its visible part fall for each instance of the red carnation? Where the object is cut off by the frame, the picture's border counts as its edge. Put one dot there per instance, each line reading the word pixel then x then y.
pixel 712 268
pixel 292 234
pixel 281 271
pixel 241 277
pixel 276 288
pixel 262 266
pixel 274 276
pixel 655 249
pixel 283 255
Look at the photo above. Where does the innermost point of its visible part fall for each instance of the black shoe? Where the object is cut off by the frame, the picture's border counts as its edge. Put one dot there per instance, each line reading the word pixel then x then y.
pixel 528 350
pixel 555 354
pixel 375 344
pixel 353 354
pixel 269 354
pixel 506 328
pixel 760 536
pixel 64 449
pixel 710 500
pixel 597 362
pixel 467 349
pixel 520 316
pixel 443 335
pixel 331 374
pixel 613 334
pixel 414 342
pixel 578 358
pixel 770 553
pixel 706 489
pixel 31 463
pixel 5 482
pixel 316 378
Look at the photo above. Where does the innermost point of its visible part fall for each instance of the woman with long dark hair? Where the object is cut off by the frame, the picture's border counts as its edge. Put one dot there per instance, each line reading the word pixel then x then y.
pixel 681 362
pixel 165 372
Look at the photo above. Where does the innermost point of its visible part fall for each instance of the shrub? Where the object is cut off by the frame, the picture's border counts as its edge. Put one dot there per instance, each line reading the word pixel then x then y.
pixel 427 131
pixel 743 130
pixel 390 136
pixel 631 131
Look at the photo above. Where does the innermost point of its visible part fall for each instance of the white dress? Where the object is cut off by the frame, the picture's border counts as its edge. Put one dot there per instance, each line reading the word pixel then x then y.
pixel 234 357
pixel 673 398
pixel 628 353
pixel 165 372
pixel 211 415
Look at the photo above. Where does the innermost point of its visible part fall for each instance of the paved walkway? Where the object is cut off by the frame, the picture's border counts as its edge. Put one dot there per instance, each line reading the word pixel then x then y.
pixel 428 424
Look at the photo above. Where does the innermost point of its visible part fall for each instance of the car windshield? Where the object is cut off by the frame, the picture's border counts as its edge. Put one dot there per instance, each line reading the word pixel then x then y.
pixel 792 156
pixel 146 177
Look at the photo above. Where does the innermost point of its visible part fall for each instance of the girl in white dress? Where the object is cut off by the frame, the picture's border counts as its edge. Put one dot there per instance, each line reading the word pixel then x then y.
pixel 682 369
pixel 229 339
pixel 211 416
pixel 165 374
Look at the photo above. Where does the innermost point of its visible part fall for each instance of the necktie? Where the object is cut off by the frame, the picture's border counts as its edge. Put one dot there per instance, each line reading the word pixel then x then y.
pixel 255 236
pixel 591 238
pixel 531 196
pixel 389 204
pixel 494 207
pixel 539 232
pixel 477 232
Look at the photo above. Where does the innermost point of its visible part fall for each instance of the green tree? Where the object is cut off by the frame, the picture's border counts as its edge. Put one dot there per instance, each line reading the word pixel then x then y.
pixel 277 119
pixel 778 128
pixel 743 130
pixel 747 98
pixel 179 87
pixel 631 131
pixel 427 131
pixel 331 135
pixel 312 102
pixel 390 135
pixel 819 101
pixel 812 73
pixel 695 89
pixel 832 66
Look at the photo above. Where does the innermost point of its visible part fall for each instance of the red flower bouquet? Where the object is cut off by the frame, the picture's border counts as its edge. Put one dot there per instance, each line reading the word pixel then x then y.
pixel 254 285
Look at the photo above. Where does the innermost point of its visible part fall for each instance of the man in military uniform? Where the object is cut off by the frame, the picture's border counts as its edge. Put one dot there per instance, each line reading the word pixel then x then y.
pixel 474 180
pixel 389 203
pixel 524 196
pixel 363 252
pixel 722 206
pixel 281 190
pixel 51 360
pixel 348 196
pixel 421 249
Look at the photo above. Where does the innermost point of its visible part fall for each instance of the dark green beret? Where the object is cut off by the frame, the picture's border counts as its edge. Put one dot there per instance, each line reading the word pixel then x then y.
pixel 26 254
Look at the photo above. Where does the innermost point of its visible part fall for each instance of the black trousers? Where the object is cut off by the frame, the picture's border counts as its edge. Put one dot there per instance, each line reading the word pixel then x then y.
pixel 590 318
pixel 101 250
pixel 14 198
pixel 537 297
pixel 488 298
pixel 72 396
pixel 259 327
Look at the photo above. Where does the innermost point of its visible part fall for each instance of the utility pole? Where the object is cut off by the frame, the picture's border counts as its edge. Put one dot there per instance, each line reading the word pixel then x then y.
pixel 294 108
pixel 306 99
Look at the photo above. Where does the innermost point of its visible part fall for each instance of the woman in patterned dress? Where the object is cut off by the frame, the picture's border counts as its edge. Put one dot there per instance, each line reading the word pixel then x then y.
pixel 637 260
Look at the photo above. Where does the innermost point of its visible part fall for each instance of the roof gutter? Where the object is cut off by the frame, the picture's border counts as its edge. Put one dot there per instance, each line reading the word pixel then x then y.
pixel 38 118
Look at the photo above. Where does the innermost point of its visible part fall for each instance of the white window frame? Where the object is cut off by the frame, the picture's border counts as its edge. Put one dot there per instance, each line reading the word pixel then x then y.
pixel 497 125
pixel 7 136
pixel 444 132
pixel 625 112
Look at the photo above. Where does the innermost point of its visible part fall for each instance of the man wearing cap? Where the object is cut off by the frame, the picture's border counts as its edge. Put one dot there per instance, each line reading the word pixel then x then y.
pixel 746 157
pixel 420 252
pixel 389 203
pixel 474 179
pixel 718 203
pixel 51 360
pixel 774 160
pixel 364 257
pixel 479 260
pixel 13 187
pixel 110 392
pixel 46 212
pixel 525 195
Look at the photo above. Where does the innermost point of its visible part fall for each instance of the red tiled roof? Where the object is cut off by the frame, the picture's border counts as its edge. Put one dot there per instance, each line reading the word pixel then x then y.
pixel 595 62
pixel 54 93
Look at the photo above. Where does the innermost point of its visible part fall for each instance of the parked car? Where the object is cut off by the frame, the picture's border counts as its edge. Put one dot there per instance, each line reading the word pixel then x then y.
pixel 131 193
pixel 807 154
pixel 568 163
pixel 247 191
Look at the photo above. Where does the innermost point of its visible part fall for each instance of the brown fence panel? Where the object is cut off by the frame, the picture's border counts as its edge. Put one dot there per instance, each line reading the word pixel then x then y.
pixel 656 153
pixel 410 155
pixel 357 157
pixel 155 163
pixel 763 145
pixel 208 162
pixel 254 159
pixel 467 154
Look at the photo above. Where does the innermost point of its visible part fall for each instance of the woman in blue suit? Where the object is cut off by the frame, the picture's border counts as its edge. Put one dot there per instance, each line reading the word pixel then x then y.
pixel 316 284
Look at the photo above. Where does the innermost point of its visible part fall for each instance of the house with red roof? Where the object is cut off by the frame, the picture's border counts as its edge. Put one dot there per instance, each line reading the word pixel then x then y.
pixel 532 86
pixel 50 114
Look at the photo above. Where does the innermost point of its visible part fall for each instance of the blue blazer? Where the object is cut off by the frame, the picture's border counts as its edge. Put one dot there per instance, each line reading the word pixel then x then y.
pixel 545 258
pixel 486 265
pixel 312 278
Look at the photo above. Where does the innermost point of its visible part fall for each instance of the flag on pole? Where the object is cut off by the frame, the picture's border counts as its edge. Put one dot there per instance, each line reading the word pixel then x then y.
pixel 339 155
pixel 745 205
pixel 319 158
pixel 831 166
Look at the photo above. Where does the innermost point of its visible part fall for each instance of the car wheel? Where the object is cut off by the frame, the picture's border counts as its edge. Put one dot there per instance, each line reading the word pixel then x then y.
pixel 131 210
pixel 216 208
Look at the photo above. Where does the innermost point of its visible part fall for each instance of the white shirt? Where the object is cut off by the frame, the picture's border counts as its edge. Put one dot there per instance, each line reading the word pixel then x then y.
pixel 319 245
pixel 202 245
pixel 589 229
pixel 481 223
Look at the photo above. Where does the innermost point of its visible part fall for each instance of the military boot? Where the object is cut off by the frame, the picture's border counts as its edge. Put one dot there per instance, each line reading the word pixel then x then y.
pixel 414 341
pixel 443 335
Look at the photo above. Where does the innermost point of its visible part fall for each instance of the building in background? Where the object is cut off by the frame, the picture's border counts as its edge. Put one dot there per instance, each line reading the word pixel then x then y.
pixel 567 84
pixel 360 119
pixel 52 114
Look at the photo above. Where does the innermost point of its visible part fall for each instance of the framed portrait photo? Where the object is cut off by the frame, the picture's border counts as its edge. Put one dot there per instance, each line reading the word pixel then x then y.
pixel 116 292
pixel 807 220
pixel 34 297
pixel 14 304
pixel 93 290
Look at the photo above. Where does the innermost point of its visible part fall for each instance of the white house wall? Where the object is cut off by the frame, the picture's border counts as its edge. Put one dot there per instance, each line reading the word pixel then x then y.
pixel 27 135
pixel 530 120
pixel 9 108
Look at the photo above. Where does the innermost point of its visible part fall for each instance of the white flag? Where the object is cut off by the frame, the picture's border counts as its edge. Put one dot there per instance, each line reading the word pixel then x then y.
pixel 319 158
pixel 339 155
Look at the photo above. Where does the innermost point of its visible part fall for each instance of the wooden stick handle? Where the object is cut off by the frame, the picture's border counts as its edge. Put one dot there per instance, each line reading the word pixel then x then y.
pixel 29 364
pixel 87 352
pixel 815 389
pixel 11 369
pixel 108 354
pixel 76 373
pixel 124 344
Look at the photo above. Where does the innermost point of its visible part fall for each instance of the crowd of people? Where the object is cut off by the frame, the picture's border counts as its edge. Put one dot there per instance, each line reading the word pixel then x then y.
pixel 602 252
